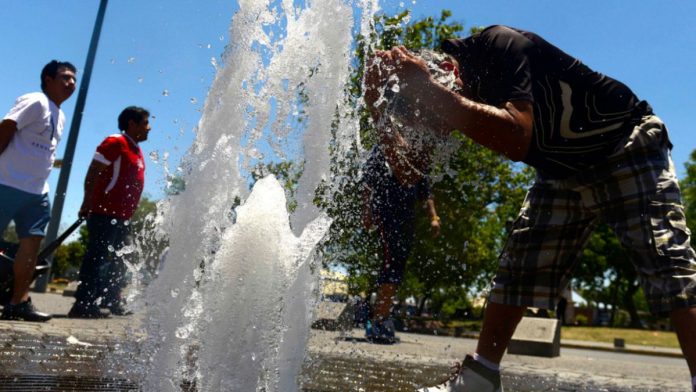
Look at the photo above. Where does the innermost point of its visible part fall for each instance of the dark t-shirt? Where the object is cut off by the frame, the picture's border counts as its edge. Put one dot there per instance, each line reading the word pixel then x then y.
pixel 579 115
pixel 392 203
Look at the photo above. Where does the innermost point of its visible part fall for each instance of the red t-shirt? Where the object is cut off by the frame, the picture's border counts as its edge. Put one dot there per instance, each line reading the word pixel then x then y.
pixel 118 188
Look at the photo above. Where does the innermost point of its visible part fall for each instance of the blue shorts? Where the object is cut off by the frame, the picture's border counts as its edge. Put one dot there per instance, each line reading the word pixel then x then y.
pixel 30 212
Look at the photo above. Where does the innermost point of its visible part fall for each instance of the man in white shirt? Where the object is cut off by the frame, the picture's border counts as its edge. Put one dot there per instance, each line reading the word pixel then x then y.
pixel 29 136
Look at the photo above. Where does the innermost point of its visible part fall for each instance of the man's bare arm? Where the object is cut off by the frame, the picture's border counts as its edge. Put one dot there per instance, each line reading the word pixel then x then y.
pixel 434 218
pixel 7 130
pixel 95 168
pixel 506 129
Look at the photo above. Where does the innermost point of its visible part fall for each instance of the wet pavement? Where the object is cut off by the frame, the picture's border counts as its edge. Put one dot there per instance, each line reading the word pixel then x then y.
pixel 92 355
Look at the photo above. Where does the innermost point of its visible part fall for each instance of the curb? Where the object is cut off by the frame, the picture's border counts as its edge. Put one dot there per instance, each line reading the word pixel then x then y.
pixel 657 351
pixel 660 352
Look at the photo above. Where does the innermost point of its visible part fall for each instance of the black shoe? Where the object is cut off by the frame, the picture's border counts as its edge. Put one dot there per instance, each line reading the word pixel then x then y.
pixel 88 312
pixel 24 311
pixel 381 331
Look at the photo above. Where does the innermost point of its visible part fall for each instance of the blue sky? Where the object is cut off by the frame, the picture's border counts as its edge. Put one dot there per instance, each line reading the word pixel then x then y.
pixel 157 54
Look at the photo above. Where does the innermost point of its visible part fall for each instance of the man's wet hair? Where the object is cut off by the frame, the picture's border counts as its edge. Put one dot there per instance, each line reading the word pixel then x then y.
pixel 135 113
pixel 51 69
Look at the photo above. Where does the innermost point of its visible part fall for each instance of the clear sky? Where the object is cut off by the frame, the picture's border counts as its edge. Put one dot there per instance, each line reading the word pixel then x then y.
pixel 158 54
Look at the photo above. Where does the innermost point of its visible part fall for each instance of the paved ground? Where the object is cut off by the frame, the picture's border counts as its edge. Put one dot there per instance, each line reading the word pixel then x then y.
pixel 95 350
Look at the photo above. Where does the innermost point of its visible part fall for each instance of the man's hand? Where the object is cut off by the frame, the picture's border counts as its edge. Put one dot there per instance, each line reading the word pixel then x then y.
pixel 435 227
pixel 85 209
pixel 7 130
pixel 410 70
pixel 394 69
pixel 376 76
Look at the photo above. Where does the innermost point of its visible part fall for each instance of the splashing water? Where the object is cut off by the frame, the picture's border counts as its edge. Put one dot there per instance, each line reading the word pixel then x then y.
pixel 231 306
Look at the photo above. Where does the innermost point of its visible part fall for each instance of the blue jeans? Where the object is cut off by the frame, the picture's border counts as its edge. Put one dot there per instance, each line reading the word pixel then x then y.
pixel 103 271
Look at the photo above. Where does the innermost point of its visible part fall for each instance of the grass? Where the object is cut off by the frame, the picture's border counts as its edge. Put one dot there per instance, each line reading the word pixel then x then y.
pixel 641 337
pixel 631 336
pixel 56 286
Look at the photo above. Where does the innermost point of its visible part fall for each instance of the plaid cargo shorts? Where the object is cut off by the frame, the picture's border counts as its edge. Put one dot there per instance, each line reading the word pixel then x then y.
pixel 636 193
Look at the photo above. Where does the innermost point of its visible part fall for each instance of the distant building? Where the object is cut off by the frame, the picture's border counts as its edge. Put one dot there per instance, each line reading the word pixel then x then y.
pixel 334 285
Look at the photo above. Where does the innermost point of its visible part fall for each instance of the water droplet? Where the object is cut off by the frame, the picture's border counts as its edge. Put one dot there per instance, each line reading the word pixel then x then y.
pixel 221 38
pixel 213 62
pixel 194 101
pixel 111 248
pixel 255 153
pixel 128 249
pixel 165 92
pixel 113 61
pixel 395 87
pixel 174 293
pixel 114 221
pixel 140 79
pixel 131 60
pixel 154 156
pixel 182 332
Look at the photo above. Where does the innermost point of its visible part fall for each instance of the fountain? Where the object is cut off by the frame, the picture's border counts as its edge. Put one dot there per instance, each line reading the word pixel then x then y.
pixel 231 306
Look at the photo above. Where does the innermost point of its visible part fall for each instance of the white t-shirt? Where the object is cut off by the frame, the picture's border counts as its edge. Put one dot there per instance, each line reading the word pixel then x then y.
pixel 27 161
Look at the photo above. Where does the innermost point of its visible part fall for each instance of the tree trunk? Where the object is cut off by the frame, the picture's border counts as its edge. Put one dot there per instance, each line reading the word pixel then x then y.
pixel 421 305
pixel 614 299
pixel 631 306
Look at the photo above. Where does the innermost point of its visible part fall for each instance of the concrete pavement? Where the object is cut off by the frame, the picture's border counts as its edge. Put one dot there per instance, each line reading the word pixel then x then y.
pixel 96 350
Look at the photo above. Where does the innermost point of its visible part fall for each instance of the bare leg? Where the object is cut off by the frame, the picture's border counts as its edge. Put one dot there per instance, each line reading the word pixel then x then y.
pixel 383 304
pixel 684 321
pixel 24 265
pixel 499 323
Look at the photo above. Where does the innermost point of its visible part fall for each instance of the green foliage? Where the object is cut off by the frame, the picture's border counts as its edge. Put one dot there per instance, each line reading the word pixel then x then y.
pixel 581 319
pixel 10 235
pixel 150 242
pixel 175 185
pixel 288 173
pixel 67 260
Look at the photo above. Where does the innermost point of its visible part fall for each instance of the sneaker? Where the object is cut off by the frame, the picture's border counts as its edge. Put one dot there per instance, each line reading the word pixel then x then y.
pixel 88 312
pixel 24 311
pixel 380 331
pixel 470 376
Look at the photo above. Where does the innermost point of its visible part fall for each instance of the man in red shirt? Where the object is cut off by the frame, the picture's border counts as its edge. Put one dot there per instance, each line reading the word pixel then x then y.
pixel 113 186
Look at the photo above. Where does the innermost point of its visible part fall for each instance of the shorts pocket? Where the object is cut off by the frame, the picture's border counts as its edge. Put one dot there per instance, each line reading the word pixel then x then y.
pixel 668 228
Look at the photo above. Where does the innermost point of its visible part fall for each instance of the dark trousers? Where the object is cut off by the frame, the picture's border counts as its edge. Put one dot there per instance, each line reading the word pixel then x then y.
pixel 103 271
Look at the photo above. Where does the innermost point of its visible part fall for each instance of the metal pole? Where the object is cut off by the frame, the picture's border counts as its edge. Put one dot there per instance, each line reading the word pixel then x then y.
pixel 59 198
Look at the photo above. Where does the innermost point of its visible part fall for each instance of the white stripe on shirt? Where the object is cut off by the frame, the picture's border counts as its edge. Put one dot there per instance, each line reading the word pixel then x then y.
pixel 101 158
pixel 114 178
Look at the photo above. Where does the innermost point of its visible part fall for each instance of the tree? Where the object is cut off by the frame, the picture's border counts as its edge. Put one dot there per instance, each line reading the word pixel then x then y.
pixel 10 235
pixel 477 192
pixel 67 259
pixel 288 173
pixel 149 241
pixel 606 275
